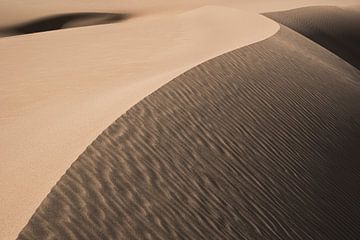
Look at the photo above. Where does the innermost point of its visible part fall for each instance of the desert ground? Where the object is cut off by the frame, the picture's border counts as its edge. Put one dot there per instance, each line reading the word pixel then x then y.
pixel 179 119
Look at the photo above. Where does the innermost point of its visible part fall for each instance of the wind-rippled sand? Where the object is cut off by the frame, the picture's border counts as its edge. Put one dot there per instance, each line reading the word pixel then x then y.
pixel 335 28
pixel 60 89
pixel 259 143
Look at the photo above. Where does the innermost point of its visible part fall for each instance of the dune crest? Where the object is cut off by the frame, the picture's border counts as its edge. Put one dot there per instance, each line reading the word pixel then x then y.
pixel 337 29
pixel 71 84
pixel 60 89
pixel 15 11
pixel 259 143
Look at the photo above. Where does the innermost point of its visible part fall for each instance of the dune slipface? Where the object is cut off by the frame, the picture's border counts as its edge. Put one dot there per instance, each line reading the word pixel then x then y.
pixel 334 28
pixel 259 143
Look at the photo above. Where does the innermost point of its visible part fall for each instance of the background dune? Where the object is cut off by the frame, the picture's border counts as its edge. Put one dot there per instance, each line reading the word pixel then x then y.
pixel 337 29
pixel 60 89
pixel 62 21
pixel 17 11
pixel 259 143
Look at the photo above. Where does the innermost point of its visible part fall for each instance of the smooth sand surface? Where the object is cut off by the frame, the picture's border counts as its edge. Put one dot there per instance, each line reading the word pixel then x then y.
pixel 259 143
pixel 17 11
pixel 62 21
pixel 61 89
pixel 335 28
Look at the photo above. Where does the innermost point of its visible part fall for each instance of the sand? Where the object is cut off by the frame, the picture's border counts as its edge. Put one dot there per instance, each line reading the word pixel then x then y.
pixel 254 144
pixel 16 11
pixel 62 21
pixel 61 89
pixel 334 28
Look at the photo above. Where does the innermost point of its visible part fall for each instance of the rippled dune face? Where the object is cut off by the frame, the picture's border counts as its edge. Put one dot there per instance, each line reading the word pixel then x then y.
pixel 88 77
pixel 235 119
pixel 331 27
pixel 228 150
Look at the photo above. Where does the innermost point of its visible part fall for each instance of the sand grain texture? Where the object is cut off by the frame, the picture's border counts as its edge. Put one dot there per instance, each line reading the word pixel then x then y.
pixel 259 143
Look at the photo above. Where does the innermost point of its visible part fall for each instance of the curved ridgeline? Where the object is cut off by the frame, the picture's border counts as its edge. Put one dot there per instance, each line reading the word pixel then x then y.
pixel 259 143
pixel 337 29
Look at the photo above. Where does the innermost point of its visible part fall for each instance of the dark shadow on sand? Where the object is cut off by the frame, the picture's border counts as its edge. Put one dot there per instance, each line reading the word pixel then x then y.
pixel 62 21
pixel 258 143
pixel 336 29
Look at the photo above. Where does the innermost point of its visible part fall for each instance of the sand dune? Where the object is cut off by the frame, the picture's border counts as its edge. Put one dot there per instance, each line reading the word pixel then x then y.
pixel 259 143
pixel 16 11
pixel 62 21
pixel 60 89
pixel 336 29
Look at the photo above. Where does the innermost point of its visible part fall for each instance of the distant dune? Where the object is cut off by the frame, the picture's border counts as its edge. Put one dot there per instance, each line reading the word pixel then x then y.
pixel 62 21
pixel 259 143
pixel 337 29
pixel 18 11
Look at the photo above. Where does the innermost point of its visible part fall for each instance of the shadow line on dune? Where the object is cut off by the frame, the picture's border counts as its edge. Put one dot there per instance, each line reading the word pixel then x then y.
pixel 334 28
pixel 238 141
pixel 61 21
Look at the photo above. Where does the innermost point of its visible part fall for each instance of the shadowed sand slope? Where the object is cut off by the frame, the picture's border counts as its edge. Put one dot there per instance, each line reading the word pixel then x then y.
pixel 259 143
pixel 63 21
pixel 337 29
pixel 60 89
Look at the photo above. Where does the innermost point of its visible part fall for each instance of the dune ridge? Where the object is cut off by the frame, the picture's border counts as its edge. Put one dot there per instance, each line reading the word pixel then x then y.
pixel 60 89
pixel 15 11
pixel 259 143
pixel 334 28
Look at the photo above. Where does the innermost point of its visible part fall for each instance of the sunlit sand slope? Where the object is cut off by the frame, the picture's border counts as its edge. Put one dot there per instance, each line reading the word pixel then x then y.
pixel 60 89
pixel 337 29
pixel 259 143
pixel 18 11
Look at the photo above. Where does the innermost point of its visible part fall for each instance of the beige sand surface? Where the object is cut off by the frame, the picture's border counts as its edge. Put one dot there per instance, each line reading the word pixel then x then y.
pixel 60 89
pixel 259 143
pixel 15 11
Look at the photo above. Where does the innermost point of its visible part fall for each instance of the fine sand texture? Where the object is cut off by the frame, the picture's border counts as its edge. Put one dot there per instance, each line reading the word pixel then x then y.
pixel 335 28
pixel 259 143
pixel 60 89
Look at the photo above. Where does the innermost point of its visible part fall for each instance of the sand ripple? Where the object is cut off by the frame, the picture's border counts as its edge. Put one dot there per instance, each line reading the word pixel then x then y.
pixel 335 28
pixel 259 143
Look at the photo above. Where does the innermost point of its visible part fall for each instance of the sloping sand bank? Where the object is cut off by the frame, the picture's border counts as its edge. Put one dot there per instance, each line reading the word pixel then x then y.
pixel 259 143
pixel 59 90
pixel 337 29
